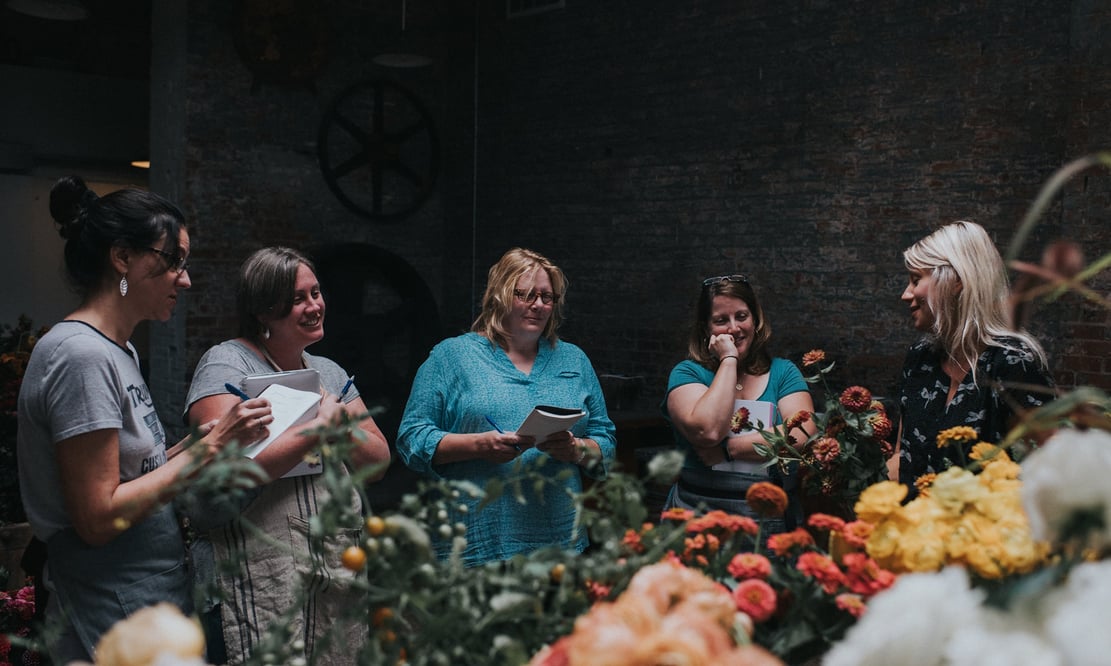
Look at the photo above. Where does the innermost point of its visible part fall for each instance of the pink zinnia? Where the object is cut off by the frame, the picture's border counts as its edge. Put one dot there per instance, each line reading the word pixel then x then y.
pixel 822 569
pixel 755 598
pixel 785 542
pixel 749 565
pixel 813 357
pixel 857 532
pixel 826 451
pixel 864 576
pixel 824 521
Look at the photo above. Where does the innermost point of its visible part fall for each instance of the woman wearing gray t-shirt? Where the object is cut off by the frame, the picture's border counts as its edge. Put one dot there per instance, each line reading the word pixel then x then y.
pixel 95 470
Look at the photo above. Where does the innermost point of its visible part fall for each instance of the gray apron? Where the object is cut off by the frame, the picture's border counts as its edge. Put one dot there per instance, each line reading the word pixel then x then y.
pixel 96 586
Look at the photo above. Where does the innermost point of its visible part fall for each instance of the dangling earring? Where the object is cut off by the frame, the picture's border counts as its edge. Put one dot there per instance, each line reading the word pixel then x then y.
pixel 123 286
pixel 265 332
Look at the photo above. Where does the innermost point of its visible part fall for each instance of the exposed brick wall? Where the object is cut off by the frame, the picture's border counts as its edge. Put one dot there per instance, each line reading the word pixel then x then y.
pixel 644 145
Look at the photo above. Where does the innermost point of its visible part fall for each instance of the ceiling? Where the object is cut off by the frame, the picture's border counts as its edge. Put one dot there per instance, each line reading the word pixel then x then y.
pixel 114 39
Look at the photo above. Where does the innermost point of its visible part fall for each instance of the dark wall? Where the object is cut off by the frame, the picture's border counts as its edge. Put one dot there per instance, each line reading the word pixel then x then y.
pixel 644 145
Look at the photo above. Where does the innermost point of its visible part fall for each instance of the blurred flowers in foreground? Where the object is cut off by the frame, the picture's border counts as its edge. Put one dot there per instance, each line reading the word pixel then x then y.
pixel 1050 614
pixel 962 518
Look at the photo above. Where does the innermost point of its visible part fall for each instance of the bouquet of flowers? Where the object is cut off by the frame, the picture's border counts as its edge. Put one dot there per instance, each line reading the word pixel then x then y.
pixel 843 450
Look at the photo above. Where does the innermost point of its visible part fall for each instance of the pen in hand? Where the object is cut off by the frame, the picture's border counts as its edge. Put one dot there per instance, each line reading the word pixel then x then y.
pixel 498 428
pixel 347 386
pixel 232 388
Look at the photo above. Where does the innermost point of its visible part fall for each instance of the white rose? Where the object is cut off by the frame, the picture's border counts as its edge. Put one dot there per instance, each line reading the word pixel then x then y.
pixel 1069 473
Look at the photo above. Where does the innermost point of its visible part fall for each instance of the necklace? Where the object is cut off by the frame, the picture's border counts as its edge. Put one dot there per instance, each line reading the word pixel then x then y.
pixel 273 363
pixel 740 383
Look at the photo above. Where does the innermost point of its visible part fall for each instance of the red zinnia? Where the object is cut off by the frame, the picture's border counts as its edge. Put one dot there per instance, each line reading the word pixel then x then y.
pixel 822 569
pixel 784 543
pixel 813 357
pixel 856 399
pixel 864 576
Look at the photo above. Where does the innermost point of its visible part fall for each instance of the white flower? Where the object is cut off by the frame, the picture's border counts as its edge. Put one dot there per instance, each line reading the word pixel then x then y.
pixel 910 623
pixel 1077 615
pixel 665 466
pixel 1067 474
pixel 999 639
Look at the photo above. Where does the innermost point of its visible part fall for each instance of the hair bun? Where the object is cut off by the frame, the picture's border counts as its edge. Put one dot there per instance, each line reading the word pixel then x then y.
pixel 69 199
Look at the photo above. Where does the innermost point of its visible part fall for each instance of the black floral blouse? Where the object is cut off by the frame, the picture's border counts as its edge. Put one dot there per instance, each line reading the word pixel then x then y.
pixel 980 405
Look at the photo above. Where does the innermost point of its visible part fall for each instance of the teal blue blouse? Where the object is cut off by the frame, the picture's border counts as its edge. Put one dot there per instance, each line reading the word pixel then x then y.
pixel 467 379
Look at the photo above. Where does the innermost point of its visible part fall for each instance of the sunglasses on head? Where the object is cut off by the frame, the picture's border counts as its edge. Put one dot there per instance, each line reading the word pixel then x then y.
pixel 724 278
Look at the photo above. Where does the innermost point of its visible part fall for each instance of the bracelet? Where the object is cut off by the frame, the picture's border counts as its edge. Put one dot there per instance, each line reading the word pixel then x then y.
pixel 729 356
pixel 725 450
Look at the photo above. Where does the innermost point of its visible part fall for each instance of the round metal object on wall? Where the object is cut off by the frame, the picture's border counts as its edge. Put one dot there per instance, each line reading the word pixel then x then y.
pixel 378 150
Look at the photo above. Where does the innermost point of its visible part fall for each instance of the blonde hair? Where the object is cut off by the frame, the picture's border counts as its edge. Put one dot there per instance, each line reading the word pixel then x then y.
pixel 497 301
pixel 969 294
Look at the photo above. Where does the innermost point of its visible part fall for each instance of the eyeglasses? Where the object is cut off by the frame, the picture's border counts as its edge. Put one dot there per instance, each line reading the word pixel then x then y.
pixel 546 297
pixel 724 278
pixel 177 263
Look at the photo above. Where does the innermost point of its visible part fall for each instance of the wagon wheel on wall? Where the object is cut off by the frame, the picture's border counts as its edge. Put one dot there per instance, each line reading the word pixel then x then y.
pixel 378 150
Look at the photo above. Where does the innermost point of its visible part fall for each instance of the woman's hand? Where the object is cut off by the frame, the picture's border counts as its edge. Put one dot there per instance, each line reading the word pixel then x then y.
pixel 330 409
pixel 247 421
pixel 501 447
pixel 722 345
pixel 562 446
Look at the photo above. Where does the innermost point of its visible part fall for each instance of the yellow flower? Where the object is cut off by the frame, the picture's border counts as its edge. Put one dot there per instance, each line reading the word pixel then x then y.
pixel 956 435
pixel 879 500
pixel 954 488
pixel 987 452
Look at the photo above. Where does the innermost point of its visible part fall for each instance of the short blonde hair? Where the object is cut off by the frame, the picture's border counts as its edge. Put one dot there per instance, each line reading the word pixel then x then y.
pixel 970 292
pixel 498 298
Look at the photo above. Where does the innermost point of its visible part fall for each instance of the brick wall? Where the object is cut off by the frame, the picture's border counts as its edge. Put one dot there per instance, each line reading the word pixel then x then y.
pixel 644 145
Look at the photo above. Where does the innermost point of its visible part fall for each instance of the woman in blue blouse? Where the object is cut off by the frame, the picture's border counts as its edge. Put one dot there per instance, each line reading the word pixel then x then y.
pixel 728 360
pixel 972 367
pixel 511 361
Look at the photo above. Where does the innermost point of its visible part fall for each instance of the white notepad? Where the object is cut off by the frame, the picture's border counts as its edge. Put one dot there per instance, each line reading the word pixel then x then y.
pixel 544 420
pixel 290 408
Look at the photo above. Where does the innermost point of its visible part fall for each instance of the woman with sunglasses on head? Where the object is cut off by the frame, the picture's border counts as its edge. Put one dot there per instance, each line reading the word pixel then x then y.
pixel 972 367
pixel 474 386
pixel 96 474
pixel 728 360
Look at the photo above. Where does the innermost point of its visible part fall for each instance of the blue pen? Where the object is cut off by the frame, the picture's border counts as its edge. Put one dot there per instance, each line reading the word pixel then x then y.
pixel 347 386
pixel 498 428
pixel 491 422
pixel 232 388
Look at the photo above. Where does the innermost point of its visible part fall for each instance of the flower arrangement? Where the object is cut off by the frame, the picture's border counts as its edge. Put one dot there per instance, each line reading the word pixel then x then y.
pixel 843 450
pixel 799 597
pixel 958 517
pixel 667 614
pixel 1052 613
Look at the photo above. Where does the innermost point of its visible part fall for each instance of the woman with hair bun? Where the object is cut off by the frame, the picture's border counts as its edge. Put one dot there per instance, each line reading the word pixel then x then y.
pixel 972 367
pixel 95 470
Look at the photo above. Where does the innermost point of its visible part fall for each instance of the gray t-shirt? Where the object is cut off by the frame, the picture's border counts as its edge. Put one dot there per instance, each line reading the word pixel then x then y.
pixel 78 381
pixel 231 361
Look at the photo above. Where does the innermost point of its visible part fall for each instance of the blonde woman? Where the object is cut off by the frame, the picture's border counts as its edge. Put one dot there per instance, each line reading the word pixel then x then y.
pixel 475 386
pixel 972 367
